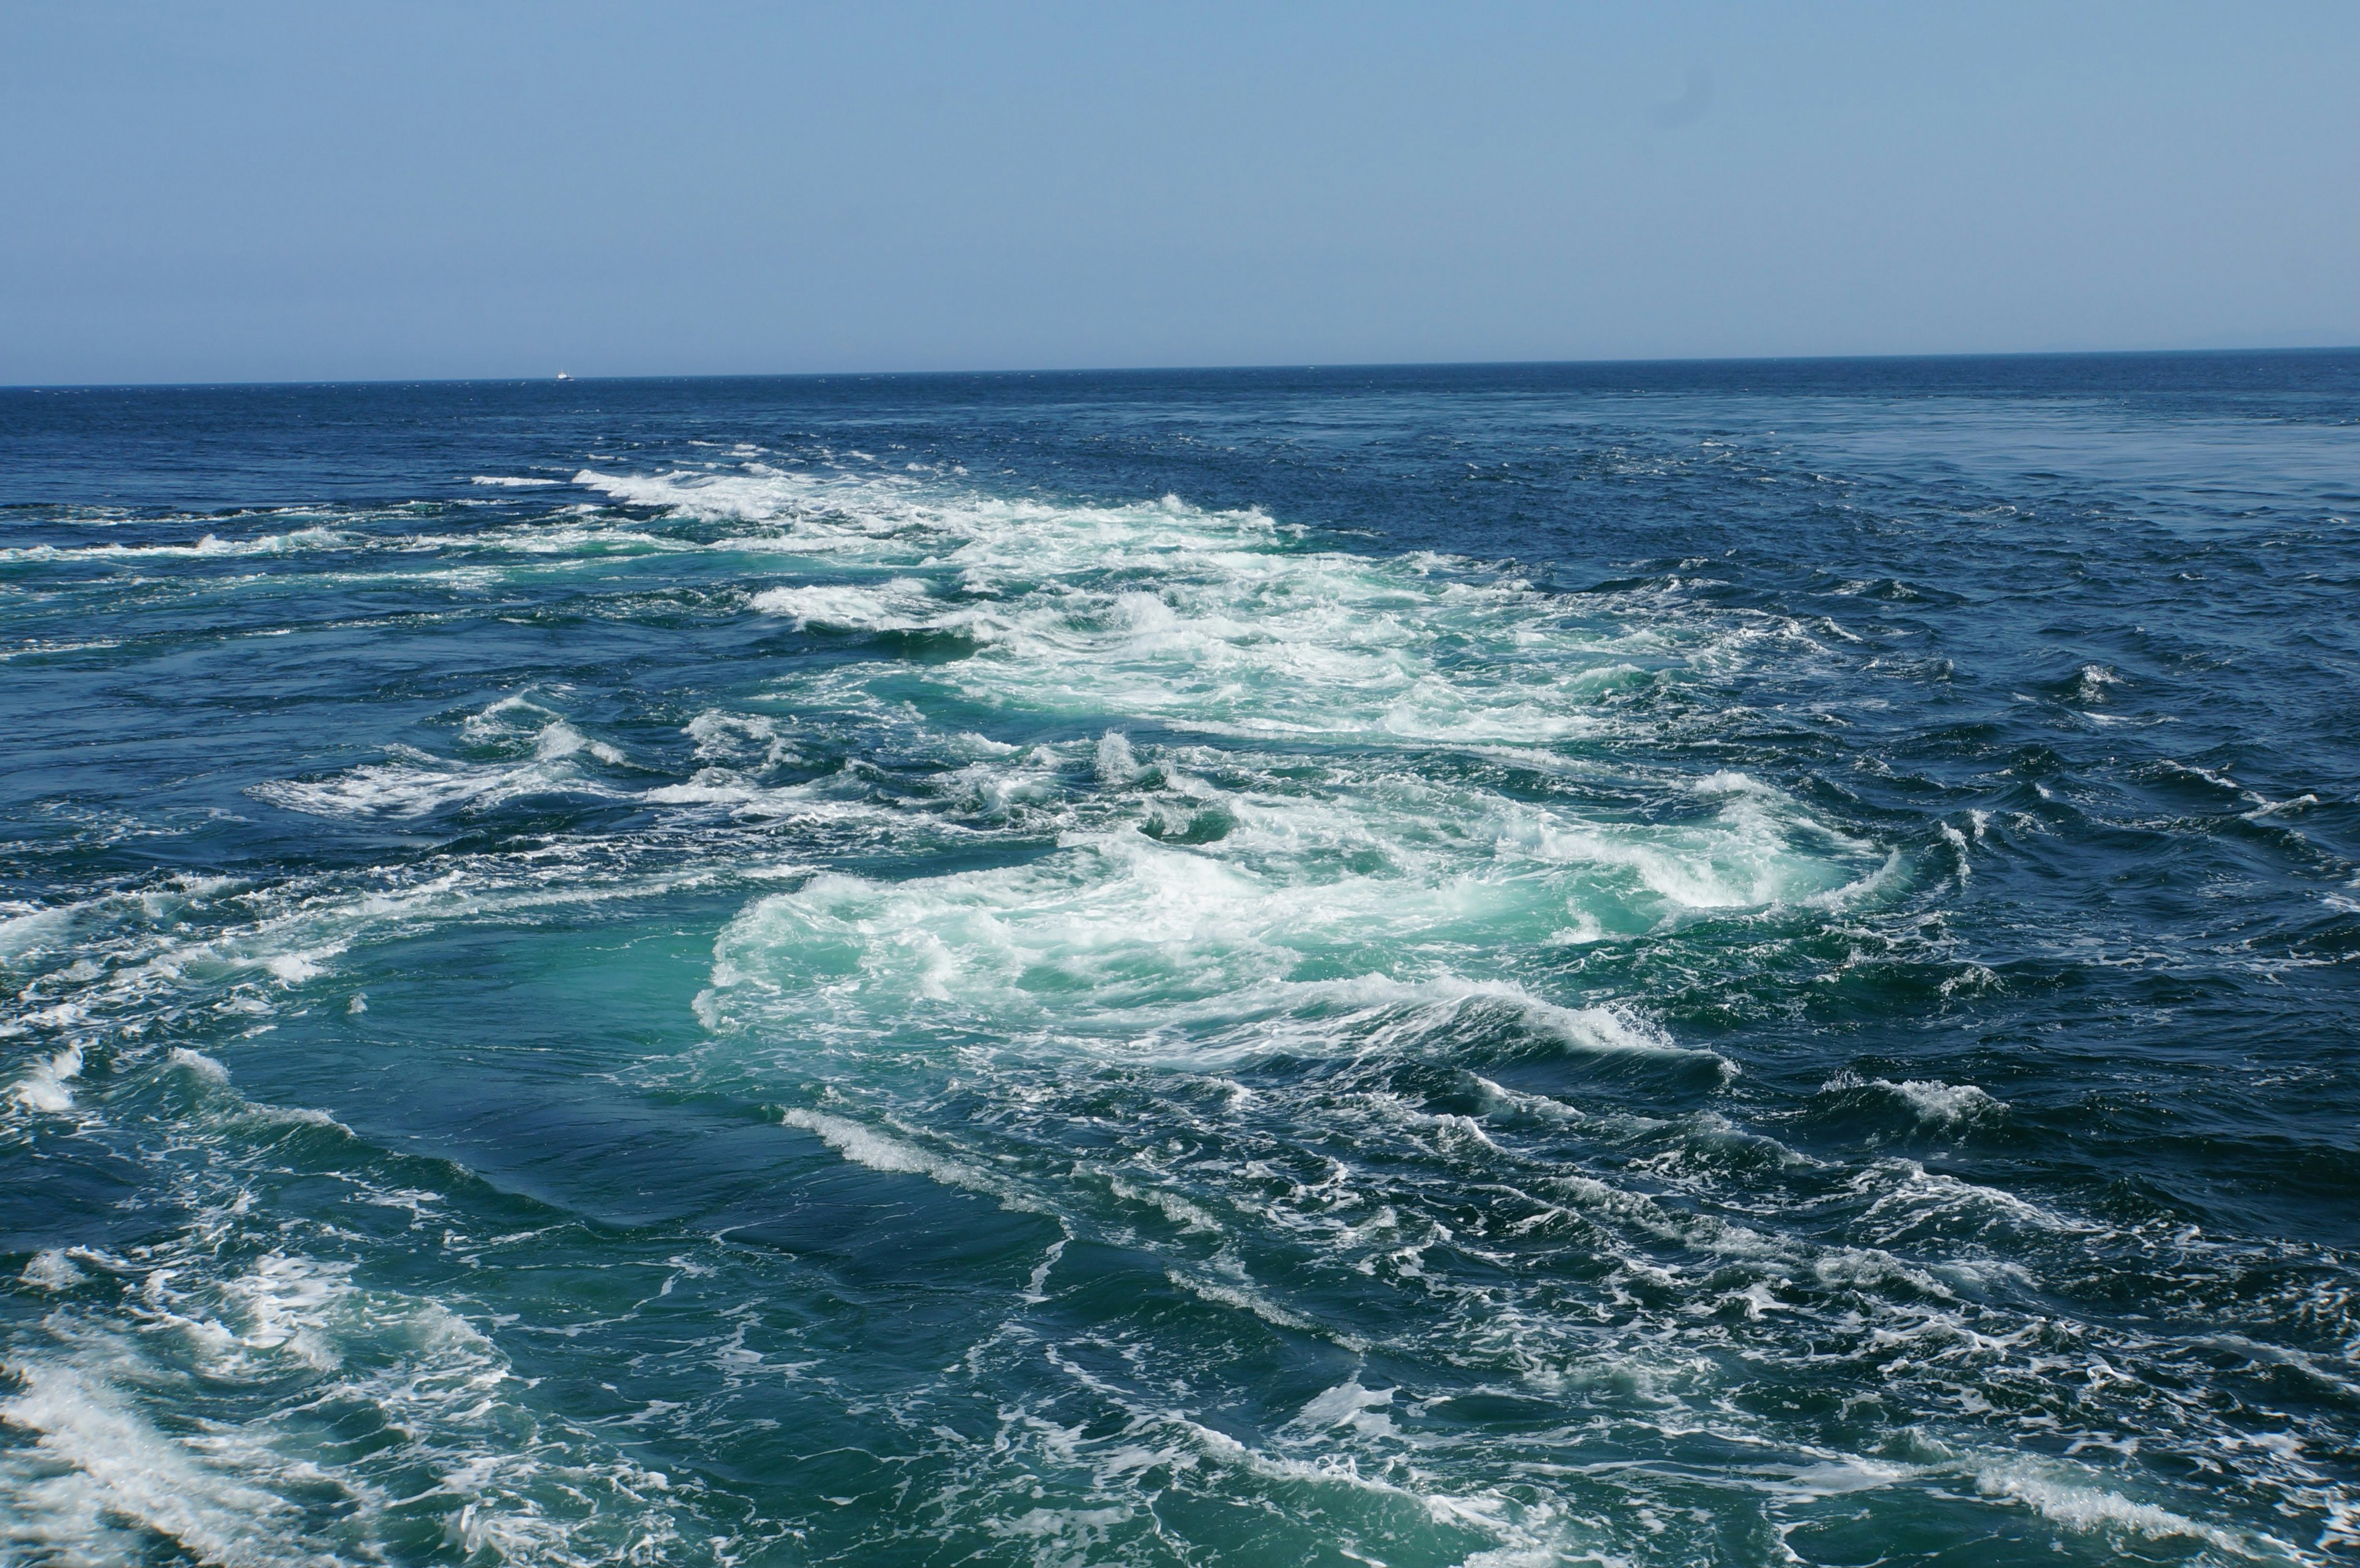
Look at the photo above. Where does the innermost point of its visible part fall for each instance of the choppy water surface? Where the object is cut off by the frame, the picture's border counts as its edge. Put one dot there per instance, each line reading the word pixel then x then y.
pixel 1651 965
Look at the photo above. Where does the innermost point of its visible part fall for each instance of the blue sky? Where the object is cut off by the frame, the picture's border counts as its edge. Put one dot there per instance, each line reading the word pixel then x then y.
pixel 274 191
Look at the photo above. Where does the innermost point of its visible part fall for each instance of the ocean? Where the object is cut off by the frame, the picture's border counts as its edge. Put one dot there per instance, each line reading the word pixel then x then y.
pixel 1682 964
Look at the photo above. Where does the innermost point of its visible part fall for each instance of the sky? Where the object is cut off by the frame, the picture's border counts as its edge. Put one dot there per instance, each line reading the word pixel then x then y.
pixel 305 192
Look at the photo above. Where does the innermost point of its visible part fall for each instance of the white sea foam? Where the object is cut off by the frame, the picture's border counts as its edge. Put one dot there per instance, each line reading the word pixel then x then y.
pixel 2092 680
pixel 2081 1506
pixel 1115 763
pixel 901 605
pixel 99 1480
pixel 51 1270
pixel 46 645
pixel 545 753
pixel 26 935
pixel 208 546
pixel 198 1063
pixel 880 1152
pixel 113 1466
pixel 1944 1104
pixel 45 1084
pixel 1137 945
pixel 1347 1401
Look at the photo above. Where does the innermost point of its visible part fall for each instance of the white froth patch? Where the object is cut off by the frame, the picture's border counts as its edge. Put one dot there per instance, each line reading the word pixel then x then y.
pixel 2089 682
pixel 294 968
pixel 561 739
pixel 1114 763
pixel 285 1301
pixel 1246 633
pixel 120 1467
pixel 1243 1295
pixel 1348 1402
pixel 753 492
pixel 738 739
pixel 1932 1101
pixel 1839 1477
pixel 516 721
pixel 901 605
pixel 198 1063
pixel 2092 1510
pixel 862 1147
pixel 28 935
pixel 43 1087
pixel 1173 1206
pixel 1598 1028
pixel 47 644
pixel 513 481
pixel 97 1482
pixel 879 1151
pixel 51 1270
pixel 1728 781
pixel 1751 855
pixel 385 789
pixel 1120 945
pixel 209 545
pixel 1910 1196
pixel 1944 1105
pixel 416 784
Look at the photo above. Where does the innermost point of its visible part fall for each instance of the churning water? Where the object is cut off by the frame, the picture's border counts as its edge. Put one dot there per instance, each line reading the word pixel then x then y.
pixel 1731 964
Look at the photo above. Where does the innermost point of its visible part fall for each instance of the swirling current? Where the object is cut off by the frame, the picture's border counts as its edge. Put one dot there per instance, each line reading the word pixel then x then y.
pixel 1644 964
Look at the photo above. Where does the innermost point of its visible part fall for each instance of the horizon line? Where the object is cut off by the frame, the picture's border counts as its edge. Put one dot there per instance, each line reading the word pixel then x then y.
pixel 1274 366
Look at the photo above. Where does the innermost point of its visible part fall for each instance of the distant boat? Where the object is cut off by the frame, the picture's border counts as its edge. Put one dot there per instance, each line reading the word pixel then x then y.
pixel 562 377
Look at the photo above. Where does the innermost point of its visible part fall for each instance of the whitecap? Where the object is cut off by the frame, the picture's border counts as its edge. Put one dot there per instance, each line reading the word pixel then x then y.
pixel 45 1084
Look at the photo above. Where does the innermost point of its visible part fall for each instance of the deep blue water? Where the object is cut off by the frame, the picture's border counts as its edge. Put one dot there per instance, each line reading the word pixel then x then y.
pixel 1736 963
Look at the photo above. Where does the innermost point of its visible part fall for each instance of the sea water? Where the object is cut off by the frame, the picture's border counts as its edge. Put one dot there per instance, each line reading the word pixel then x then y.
pixel 1717 963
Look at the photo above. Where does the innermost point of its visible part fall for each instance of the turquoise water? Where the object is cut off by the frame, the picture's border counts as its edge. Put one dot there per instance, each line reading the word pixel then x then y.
pixel 1644 965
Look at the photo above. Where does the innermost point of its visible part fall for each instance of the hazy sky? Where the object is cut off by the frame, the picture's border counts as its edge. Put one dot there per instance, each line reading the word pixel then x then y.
pixel 265 191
